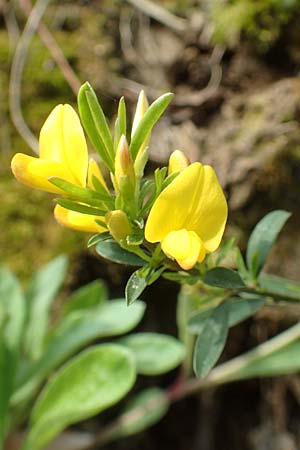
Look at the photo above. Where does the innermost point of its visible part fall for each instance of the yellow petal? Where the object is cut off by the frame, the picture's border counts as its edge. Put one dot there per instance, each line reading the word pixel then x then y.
pixel 208 212
pixel 51 143
pixel 34 172
pixel 62 140
pixel 172 206
pixel 94 171
pixel 196 253
pixel 77 221
pixel 194 201
pixel 177 162
pixel 176 244
pixel 184 246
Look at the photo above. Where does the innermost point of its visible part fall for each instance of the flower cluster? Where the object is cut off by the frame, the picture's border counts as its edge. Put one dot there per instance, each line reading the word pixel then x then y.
pixel 172 220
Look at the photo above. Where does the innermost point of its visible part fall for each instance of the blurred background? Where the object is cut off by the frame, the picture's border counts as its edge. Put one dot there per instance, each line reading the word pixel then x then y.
pixel 234 68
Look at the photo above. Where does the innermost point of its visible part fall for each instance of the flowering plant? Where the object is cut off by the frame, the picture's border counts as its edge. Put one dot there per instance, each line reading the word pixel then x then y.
pixel 168 225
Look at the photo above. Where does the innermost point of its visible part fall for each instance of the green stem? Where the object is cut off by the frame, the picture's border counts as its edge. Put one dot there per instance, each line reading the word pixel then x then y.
pixel 233 369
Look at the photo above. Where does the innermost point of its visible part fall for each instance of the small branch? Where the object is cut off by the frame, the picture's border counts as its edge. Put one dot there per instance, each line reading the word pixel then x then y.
pixel 11 24
pixel 160 14
pixel 229 371
pixel 17 68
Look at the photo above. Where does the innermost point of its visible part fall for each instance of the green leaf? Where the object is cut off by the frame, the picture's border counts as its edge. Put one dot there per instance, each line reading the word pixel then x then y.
pixel 262 238
pixel 12 308
pixel 135 286
pixel 95 124
pixel 12 316
pixel 241 266
pixel 224 250
pixel 94 240
pixel 139 280
pixel 78 207
pixel 155 353
pixel 151 116
pixel 111 250
pixel 211 340
pixel 88 296
pixel 92 382
pixel 169 180
pixel 279 286
pixel 40 296
pixel 239 309
pixel 146 409
pixel 224 278
pixel 79 193
pixel 78 329
pixel 120 125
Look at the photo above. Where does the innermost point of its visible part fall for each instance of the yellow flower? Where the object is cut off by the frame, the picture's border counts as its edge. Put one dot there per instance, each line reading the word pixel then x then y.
pixel 63 153
pixel 189 216
pixel 77 221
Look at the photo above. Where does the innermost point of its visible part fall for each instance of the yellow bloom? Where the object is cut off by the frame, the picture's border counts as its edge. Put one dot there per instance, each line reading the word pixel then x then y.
pixel 77 221
pixel 63 153
pixel 189 216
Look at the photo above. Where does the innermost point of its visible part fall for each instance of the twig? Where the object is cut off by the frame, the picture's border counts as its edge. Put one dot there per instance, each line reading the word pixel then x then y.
pixel 160 14
pixel 11 23
pixel 17 71
pixel 55 50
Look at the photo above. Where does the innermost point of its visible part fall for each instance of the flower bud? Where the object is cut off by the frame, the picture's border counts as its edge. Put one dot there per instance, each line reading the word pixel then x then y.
pixel 141 108
pixel 178 162
pixel 140 162
pixel 124 178
pixel 118 224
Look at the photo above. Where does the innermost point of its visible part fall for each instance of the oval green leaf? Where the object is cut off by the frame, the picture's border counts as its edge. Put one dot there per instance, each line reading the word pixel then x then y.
pixel 211 340
pixel 262 238
pixel 155 353
pixel 42 292
pixel 76 330
pixel 224 278
pixel 92 382
pixel 111 250
pixel 135 286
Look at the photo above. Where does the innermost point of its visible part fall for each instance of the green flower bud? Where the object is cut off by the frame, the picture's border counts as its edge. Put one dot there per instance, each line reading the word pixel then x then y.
pixel 118 224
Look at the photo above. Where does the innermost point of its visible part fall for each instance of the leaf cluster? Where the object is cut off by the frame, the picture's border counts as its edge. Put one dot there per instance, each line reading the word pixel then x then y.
pixel 48 374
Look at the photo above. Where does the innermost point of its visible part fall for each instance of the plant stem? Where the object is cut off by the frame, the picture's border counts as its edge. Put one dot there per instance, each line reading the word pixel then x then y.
pixel 233 369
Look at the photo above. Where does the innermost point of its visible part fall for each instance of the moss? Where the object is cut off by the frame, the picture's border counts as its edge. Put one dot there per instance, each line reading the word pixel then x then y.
pixel 262 22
